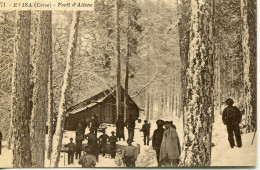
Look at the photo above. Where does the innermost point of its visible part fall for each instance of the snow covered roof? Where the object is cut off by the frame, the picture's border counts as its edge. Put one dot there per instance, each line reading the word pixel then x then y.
pixel 95 100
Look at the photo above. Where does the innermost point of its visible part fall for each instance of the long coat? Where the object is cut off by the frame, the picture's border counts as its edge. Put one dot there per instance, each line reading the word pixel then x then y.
pixel 170 145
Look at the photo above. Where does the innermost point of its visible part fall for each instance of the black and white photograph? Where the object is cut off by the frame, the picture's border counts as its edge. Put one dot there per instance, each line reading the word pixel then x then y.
pixel 128 83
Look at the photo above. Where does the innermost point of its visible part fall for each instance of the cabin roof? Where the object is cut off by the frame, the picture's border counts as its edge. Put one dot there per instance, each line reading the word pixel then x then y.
pixel 96 99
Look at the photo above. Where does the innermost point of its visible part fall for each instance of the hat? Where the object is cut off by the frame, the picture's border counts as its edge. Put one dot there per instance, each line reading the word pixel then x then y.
pixel 167 122
pixel 229 101
pixel 159 122
pixel 145 121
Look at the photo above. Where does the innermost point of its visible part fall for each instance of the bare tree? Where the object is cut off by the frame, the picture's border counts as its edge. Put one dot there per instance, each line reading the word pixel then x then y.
pixel 57 137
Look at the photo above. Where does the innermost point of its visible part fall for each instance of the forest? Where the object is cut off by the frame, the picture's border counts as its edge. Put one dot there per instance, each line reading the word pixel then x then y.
pixel 177 59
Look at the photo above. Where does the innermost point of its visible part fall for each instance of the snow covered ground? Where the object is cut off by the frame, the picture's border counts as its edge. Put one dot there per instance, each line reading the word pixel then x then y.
pixel 222 154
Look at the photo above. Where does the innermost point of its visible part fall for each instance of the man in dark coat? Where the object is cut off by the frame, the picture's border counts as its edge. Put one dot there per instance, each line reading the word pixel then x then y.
pixel 231 118
pixel 131 127
pixel 103 142
pixel 146 130
pixel 157 138
pixel 92 143
pixel 112 140
pixel 95 124
pixel 120 128
pixel 71 151
pixel 0 143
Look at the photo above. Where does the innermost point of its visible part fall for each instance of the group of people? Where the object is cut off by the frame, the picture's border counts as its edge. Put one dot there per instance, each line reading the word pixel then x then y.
pixel 94 145
pixel 165 140
pixel 166 143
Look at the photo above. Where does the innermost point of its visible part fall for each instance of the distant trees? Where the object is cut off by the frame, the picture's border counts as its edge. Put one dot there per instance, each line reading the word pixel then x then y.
pixel 20 92
pixel 199 105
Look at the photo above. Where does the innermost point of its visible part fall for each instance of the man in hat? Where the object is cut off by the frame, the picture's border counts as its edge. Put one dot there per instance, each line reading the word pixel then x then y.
pixel 231 118
pixel 170 148
pixel 129 155
pixel 92 142
pixel 112 140
pixel 87 160
pixel 157 139
pixel 146 130
pixel 103 142
pixel 71 151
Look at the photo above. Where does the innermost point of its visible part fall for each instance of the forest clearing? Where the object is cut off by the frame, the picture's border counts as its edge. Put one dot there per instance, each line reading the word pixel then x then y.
pixel 136 83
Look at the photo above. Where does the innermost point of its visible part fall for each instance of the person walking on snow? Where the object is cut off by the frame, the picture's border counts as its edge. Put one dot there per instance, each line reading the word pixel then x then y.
pixel 146 130
pixel 231 118
pixel 170 150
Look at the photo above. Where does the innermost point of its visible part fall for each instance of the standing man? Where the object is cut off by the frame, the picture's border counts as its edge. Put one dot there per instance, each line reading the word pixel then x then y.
pixel 170 148
pixel 232 117
pixel 131 127
pixel 95 124
pixel 1 137
pixel 103 142
pixel 120 128
pixel 129 154
pixel 79 139
pixel 92 142
pixel 71 151
pixel 157 139
pixel 146 130
pixel 112 140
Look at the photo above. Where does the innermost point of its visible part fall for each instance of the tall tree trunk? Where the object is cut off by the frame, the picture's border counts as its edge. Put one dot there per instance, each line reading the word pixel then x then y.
pixel 219 87
pixel 20 92
pixel 50 118
pixel 248 12
pixel 118 65
pixel 40 99
pixel 127 61
pixel 147 104
pixel 184 40
pixel 57 137
pixel 199 107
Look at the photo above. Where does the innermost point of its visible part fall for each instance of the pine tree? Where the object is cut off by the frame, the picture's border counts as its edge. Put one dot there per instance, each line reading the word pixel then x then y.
pixel 20 92
pixel 40 104
pixel 248 13
pixel 118 65
pixel 199 106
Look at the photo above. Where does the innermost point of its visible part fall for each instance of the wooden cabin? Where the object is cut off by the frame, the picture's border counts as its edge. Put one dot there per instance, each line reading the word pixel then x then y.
pixel 103 104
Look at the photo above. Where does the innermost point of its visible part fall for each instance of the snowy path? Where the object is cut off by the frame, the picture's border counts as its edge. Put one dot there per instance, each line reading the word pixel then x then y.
pixel 222 154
